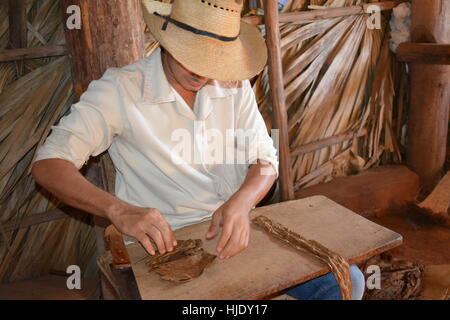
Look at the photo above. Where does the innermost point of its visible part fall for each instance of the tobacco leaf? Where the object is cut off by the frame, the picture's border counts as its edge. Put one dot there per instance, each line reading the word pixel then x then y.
pixel 186 268
pixel 400 279
pixel 186 262
pixel 183 248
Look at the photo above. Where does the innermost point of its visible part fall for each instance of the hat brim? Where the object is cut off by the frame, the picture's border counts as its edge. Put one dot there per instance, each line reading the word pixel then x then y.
pixel 208 57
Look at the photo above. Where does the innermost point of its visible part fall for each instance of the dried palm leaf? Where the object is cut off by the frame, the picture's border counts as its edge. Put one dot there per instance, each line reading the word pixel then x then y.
pixel 26 117
pixel 338 78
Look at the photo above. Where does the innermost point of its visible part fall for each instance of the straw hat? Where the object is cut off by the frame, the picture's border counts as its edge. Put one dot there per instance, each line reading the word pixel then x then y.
pixel 208 37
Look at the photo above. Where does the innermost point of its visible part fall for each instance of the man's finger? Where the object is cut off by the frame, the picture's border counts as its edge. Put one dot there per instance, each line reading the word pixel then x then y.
pixel 214 227
pixel 234 245
pixel 227 230
pixel 154 233
pixel 174 239
pixel 147 244
pixel 167 233
pixel 167 236
pixel 247 238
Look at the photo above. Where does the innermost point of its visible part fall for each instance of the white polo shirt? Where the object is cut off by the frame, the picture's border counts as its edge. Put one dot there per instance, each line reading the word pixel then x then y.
pixel 167 156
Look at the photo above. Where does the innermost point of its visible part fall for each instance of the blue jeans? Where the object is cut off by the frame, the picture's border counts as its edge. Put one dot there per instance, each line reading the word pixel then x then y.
pixel 327 288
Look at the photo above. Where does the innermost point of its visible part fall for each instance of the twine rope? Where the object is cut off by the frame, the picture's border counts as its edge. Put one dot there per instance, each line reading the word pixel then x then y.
pixel 338 265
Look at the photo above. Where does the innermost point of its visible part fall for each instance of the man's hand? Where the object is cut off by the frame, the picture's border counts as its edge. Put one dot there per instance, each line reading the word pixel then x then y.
pixel 233 217
pixel 144 224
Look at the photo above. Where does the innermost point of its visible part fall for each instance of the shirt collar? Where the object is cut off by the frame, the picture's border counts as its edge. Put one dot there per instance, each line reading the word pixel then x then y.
pixel 157 88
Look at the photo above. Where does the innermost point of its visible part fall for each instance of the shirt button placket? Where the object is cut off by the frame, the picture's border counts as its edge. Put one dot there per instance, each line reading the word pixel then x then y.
pixel 202 148
pixel 199 142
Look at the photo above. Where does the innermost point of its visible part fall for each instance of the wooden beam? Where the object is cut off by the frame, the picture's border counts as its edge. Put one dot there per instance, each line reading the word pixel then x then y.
pixel 279 113
pixel 327 142
pixel 425 53
pixel 17 24
pixel 32 53
pixel 110 36
pixel 34 220
pixel 39 218
pixel 318 14
pixel 384 5
pixel 430 95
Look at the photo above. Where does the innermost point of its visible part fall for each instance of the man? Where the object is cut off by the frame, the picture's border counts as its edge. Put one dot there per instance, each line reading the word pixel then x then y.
pixel 156 118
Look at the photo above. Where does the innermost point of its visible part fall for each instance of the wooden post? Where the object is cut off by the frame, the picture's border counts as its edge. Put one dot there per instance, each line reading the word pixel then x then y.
pixel 17 24
pixel 279 113
pixel 253 4
pixel 18 27
pixel 430 95
pixel 111 35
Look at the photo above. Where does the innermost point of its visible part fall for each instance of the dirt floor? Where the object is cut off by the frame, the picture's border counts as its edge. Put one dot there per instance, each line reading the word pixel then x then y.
pixel 424 241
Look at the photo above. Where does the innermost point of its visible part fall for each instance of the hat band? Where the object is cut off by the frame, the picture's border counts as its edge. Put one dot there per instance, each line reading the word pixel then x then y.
pixel 192 29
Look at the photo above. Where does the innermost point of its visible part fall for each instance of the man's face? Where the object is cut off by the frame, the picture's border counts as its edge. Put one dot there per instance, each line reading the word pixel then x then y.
pixel 185 78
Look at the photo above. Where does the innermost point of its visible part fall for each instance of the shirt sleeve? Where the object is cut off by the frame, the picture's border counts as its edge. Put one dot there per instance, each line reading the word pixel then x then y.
pixel 90 126
pixel 258 144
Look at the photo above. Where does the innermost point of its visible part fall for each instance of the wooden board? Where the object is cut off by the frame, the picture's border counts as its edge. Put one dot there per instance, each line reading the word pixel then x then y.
pixel 268 266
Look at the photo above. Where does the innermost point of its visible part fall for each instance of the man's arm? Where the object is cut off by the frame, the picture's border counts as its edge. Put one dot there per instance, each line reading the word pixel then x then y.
pixel 233 215
pixel 65 182
pixel 258 182
pixel 87 131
